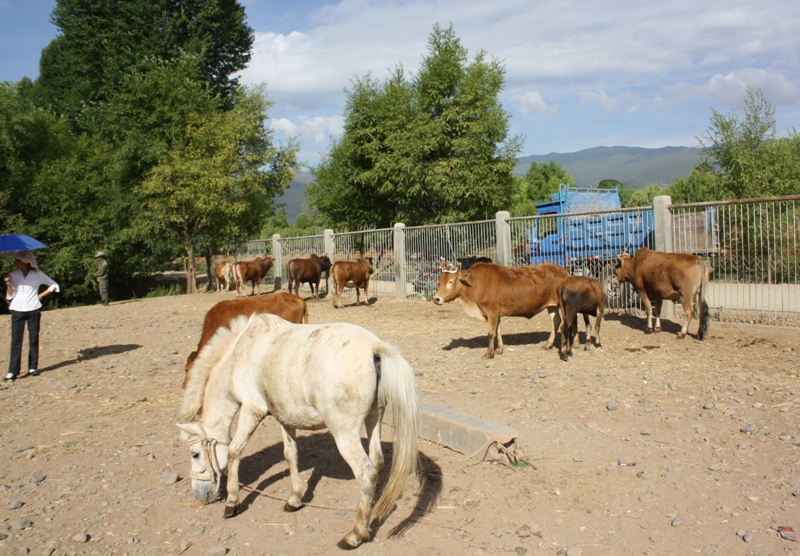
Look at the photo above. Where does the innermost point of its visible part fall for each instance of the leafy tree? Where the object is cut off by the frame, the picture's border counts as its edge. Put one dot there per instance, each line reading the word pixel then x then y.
pixel 610 184
pixel 434 148
pixel 644 196
pixel 748 159
pixel 699 186
pixel 100 42
pixel 540 181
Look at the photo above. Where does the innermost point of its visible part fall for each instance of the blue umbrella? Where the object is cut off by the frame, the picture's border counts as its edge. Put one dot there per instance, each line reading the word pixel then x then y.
pixel 17 242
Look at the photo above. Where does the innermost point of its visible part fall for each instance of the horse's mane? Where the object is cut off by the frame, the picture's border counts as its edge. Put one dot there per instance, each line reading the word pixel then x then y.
pixel 217 348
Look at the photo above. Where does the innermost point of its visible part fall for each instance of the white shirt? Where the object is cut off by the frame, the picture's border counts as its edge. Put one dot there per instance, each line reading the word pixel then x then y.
pixel 26 289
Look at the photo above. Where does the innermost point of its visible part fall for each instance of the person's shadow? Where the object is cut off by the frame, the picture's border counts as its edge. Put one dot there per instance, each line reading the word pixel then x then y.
pixel 92 353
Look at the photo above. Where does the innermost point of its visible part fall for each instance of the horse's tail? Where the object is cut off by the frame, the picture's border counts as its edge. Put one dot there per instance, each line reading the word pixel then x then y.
pixel 397 388
pixel 704 317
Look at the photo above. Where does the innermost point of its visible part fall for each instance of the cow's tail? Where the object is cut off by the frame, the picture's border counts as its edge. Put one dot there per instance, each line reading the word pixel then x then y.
pixel 704 317
pixel 397 389
pixel 305 312
pixel 237 277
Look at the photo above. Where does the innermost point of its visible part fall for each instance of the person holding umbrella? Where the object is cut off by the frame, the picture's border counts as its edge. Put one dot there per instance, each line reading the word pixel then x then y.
pixel 22 290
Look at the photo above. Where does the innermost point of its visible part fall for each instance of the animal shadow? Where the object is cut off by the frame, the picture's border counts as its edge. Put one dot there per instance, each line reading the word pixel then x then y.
pixel 640 323
pixel 480 342
pixel 92 353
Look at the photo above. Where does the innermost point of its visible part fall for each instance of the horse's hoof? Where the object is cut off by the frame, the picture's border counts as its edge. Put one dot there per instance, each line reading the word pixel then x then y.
pixel 681 335
pixel 291 509
pixel 230 511
pixel 349 541
pixel 648 331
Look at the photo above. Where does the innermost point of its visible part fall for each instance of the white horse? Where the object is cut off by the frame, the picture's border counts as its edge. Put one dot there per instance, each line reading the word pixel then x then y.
pixel 308 377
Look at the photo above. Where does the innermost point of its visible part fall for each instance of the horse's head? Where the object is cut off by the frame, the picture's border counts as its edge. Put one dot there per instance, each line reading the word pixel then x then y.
pixel 209 461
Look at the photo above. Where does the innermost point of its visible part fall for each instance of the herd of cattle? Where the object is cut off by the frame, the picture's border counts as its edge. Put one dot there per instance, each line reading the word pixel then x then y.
pixel 486 291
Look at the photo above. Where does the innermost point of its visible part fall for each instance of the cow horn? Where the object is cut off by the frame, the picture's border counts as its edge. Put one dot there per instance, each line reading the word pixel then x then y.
pixel 453 269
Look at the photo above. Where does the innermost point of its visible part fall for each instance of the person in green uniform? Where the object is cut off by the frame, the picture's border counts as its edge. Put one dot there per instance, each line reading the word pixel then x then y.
pixel 101 275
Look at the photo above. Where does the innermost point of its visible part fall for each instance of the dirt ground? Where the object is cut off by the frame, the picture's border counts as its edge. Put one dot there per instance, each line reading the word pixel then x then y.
pixel 650 445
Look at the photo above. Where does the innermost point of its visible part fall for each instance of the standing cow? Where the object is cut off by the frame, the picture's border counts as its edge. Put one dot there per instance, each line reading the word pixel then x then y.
pixel 251 271
pixel 347 274
pixel 286 305
pixel 224 273
pixel 308 271
pixel 673 276
pixel 465 263
pixel 584 295
pixel 488 291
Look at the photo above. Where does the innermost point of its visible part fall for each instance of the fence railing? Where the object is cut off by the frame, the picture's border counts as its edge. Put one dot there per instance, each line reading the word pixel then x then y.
pixel 752 246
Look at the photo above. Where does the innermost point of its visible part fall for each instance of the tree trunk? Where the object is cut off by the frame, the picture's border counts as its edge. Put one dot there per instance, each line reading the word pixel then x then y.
pixel 191 284
pixel 210 271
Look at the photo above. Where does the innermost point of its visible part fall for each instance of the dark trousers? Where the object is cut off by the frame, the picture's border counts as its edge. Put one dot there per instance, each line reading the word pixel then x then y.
pixel 18 320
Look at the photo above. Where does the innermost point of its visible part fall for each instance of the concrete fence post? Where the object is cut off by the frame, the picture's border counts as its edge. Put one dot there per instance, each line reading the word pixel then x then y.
pixel 328 238
pixel 399 260
pixel 503 238
pixel 277 266
pixel 662 222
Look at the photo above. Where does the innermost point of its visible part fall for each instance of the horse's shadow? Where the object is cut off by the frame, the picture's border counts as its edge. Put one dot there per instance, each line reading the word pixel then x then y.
pixel 480 342
pixel 319 452
pixel 92 353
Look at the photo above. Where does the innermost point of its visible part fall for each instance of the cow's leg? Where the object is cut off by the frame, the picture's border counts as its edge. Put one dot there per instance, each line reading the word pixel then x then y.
pixel 563 347
pixel 597 322
pixel 500 345
pixel 295 501
pixel 553 314
pixel 688 313
pixel 358 296
pixel 588 330
pixel 657 312
pixel 648 307
pixel 366 292
pixel 337 300
pixel 249 419
pixel 574 332
pixel 494 322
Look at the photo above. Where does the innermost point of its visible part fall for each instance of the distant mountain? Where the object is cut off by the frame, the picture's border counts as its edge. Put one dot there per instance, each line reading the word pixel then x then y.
pixel 293 198
pixel 633 166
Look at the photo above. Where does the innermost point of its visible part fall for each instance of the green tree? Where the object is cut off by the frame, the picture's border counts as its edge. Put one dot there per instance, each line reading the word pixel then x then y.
pixel 541 180
pixel 219 179
pixel 748 159
pixel 699 186
pixel 101 42
pixel 644 197
pixel 610 184
pixel 434 148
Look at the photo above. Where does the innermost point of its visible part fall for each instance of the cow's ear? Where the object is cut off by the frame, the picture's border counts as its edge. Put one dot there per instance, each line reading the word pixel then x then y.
pixel 464 278
pixel 618 262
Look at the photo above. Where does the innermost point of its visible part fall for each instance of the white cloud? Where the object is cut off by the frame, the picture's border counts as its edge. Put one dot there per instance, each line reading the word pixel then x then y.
pixel 731 88
pixel 630 101
pixel 321 128
pixel 533 103
pixel 283 125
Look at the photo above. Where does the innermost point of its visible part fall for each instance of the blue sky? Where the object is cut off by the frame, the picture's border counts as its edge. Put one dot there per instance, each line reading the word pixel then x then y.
pixel 579 73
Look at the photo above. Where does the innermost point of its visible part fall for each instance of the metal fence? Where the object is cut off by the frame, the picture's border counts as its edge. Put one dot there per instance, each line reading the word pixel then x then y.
pixel 427 248
pixel 751 245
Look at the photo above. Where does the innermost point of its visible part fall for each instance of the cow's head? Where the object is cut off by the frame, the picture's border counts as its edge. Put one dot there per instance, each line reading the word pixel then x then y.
pixel 624 265
pixel 324 262
pixel 451 283
pixel 369 265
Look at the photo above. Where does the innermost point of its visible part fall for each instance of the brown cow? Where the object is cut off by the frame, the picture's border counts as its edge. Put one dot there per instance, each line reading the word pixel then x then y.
pixel 286 305
pixel 347 274
pixel 488 291
pixel 579 294
pixel 673 276
pixel 224 273
pixel 308 271
pixel 251 271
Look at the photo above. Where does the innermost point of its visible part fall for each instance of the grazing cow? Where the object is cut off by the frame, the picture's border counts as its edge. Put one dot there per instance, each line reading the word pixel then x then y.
pixel 224 273
pixel 465 263
pixel 308 271
pixel 579 294
pixel 488 291
pixel 673 276
pixel 251 271
pixel 286 305
pixel 347 274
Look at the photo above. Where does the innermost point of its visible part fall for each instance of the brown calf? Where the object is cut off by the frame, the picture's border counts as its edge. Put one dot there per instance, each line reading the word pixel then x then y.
pixel 286 305
pixel 488 291
pixel 308 271
pixel 251 271
pixel 224 273
pixel 579 294
pixel 351 275
pixel 673 276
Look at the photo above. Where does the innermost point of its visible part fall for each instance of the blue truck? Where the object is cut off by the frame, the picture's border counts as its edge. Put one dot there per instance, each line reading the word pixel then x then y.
pixel 584 230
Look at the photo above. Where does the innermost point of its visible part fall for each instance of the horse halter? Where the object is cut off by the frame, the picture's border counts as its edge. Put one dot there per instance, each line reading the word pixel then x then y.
pixel 211 470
